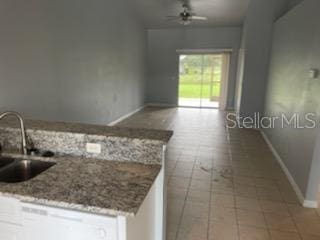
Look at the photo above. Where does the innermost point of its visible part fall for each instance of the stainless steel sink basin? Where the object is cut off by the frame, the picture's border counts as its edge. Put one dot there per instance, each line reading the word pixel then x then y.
pixel 23 170
pixel 4 161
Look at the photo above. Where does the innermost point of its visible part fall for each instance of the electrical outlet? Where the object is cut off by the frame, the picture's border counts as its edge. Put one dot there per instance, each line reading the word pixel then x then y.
pixel 313 73
pixel 93 148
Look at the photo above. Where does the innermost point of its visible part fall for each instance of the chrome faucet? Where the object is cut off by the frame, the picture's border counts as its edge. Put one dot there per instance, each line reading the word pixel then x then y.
pixel 22 128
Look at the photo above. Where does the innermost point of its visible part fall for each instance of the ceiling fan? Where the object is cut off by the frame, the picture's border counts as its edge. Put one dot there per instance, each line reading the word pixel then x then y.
pixel 186 17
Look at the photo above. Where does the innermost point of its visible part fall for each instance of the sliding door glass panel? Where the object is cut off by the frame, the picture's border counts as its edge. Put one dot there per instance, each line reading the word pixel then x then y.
pixel 200 80
pixel 212 81
pixel 190 78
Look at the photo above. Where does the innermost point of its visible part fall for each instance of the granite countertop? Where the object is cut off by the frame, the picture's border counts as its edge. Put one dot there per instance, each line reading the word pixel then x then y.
pixel 89 129
pixel 89 185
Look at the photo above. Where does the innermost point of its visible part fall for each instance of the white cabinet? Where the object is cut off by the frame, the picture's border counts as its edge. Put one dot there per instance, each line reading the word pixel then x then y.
pixel 10 210
pixel 149 223
pixel 10 218
pixel 40 222
pixel 25 221
pixel 10 231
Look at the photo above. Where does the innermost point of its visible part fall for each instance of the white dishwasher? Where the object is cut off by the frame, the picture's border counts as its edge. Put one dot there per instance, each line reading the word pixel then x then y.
pixel 46 223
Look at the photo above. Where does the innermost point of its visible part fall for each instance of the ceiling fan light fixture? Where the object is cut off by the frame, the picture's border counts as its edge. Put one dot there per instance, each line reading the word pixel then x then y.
pixel 185 22
pixel 186 17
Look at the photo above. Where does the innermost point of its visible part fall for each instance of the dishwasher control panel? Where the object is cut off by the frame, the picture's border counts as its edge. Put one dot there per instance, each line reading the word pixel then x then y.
pixel 41 222
pixel 25 221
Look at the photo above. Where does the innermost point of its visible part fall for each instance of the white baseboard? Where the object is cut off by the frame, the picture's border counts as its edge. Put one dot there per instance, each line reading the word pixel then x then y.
pixel 126 116
pixel 161 105
pixel 310 204
pixel 305 203
pixel 176 105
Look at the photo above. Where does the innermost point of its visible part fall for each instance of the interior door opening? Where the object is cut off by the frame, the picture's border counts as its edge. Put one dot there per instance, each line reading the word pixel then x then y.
pixel 202 80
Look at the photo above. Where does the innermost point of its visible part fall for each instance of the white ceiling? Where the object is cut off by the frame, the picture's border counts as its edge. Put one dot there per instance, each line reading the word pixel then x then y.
pixel 219 12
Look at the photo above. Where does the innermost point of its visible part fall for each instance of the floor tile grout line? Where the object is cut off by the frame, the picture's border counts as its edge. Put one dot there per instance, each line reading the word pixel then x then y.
pixel 184 204
pixel 294 222
pixel 265 220
pixel 264 213
pixel 234 137
pixel 167 185
pixel 235 203
pixel 211 193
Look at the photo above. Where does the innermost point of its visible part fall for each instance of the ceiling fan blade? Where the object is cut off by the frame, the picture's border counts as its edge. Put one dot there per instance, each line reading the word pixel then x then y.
pixel 199 18
pixel 173 17
pixel 173 20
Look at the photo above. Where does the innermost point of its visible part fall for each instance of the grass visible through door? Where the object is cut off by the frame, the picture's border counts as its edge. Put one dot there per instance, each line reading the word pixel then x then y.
pixel 200 80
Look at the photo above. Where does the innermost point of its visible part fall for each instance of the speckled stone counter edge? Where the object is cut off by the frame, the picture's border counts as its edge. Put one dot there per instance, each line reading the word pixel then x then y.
pixel 127 206
pixel 89 129
pixel 65 143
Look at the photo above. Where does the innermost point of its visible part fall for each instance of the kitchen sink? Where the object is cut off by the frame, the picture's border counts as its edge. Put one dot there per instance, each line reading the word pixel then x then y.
pixel 4 161
pixel 20 170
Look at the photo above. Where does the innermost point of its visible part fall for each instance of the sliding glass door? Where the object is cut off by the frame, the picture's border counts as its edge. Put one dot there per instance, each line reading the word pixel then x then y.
pixel 200 80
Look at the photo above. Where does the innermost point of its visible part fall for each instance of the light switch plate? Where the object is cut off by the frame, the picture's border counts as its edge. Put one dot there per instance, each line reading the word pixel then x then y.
pixel 313 73
pixel 93 148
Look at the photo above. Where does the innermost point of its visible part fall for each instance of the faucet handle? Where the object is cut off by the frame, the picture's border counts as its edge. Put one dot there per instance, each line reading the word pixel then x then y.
pixel 29 142
pixel 33 151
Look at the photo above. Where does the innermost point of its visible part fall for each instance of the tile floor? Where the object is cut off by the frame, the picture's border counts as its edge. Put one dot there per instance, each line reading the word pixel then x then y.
pixel 224 184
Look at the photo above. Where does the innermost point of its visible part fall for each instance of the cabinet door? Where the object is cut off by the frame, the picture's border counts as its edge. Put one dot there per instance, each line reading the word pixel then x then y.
pixel 83 232
pixel 10 232
pixel 10 210
pixel 45 223
pixel 54 230
pixel 45 230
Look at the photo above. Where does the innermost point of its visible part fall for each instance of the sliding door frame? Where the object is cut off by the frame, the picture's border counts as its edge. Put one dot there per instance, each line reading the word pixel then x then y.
pixel 225 73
